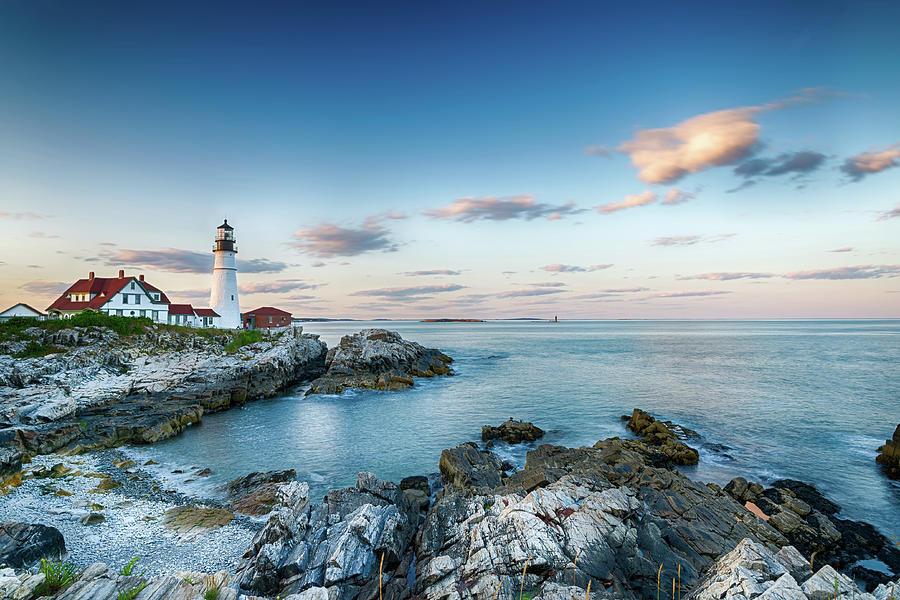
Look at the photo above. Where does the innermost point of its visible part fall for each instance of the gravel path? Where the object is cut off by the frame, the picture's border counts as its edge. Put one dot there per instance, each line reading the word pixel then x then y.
pixel 132 515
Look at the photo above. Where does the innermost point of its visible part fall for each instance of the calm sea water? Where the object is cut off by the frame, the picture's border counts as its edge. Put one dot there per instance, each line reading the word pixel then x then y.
pixel 810 400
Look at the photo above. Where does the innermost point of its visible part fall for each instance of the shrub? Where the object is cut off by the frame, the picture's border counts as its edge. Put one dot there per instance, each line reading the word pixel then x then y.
pixel 244 338
pixel 36 349
pixel 56 576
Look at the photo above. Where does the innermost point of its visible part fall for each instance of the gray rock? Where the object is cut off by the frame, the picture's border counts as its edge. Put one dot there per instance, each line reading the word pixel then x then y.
pixel 24 544
pixel 378 359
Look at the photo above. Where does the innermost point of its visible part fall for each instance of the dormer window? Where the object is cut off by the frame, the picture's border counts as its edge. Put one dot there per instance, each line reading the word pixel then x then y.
pixel 132 285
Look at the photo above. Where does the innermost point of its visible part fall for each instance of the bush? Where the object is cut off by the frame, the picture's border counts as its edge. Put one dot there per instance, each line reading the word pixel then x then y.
pixel 37 349
pixel 121 325
pixel 244 338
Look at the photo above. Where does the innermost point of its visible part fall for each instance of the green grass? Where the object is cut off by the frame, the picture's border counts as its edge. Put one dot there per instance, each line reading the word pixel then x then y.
pixel 37 349
pixel 124 326
pixel 244 338
pixel 130 594
pixel 128 568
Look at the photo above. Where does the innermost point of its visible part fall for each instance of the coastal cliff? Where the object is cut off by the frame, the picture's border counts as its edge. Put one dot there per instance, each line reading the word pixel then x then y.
pixel 98 388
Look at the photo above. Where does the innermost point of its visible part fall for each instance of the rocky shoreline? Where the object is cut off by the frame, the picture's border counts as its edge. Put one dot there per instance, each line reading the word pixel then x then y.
pixel 618 515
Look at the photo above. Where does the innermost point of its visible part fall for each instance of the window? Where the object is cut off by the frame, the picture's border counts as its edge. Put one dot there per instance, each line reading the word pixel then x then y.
pixel 124 298
pixel 137 298
pixel 132 285
pixel 232 296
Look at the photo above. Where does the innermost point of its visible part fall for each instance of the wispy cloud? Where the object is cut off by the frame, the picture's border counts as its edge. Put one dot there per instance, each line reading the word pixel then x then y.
pixel 799 164
pixel 329 240
pixel 867 163
pixel 174 260
pixel 537 291
pixel 275 287
pixel 558 268
pixel 630 201
pixel 318 264
pixel 22 216
pixel 431 272
pixel 889 214
pixel 42 235
pixel 45 288
pixel 854 272
pixel 844 249
pixel 492 208
pixel 548 284
pixel 689 293
pixel 260 265
pixel 676 196
pixel 712 139
pixel 726 276
pixel 598 151
pixel 612 293
pixel 690 240
pixel 409 292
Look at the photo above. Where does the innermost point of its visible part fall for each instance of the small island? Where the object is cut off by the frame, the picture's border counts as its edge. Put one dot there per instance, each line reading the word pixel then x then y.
pixel 452 321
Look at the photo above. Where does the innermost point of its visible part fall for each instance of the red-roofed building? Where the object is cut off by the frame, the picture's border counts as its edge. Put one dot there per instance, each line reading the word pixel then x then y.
pixel 128 297
pixel 122 296
pixel 266 318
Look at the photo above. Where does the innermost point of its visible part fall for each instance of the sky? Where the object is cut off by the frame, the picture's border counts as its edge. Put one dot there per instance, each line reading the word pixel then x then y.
pixel 459 159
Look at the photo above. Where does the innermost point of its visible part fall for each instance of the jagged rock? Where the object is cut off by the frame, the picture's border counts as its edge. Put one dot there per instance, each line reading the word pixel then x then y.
pixel 333 545
pixel 512 432
pixel 809 521
pixel 889 455
pixel 242 486
pixel 10 462
pixel 610 504
pixel 24 544
pixel 378 359
pixel 255 494
pixel 466 466
pixel 665 437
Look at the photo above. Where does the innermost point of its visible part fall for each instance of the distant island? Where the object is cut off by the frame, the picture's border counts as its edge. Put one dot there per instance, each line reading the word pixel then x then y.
pixel 452 321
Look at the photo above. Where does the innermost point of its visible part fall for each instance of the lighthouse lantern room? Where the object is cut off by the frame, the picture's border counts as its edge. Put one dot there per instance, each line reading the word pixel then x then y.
pixel 224 295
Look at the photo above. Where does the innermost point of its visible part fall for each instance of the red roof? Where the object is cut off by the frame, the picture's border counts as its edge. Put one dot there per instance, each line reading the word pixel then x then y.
pixel 181 309
pixel 152 288
pixel 268 310
pixel 103 287
pixel 205 312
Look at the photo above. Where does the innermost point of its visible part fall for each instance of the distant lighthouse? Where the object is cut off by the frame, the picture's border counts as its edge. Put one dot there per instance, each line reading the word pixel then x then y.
pixel 224 296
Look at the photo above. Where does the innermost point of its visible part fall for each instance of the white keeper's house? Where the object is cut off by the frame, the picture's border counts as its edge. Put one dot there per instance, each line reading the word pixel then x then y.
pixel 128 297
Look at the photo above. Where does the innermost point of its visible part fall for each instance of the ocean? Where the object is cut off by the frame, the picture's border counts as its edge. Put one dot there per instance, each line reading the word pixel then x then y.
pixel 808 400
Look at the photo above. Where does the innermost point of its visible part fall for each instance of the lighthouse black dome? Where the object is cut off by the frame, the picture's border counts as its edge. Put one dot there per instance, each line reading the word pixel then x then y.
pixel 225 225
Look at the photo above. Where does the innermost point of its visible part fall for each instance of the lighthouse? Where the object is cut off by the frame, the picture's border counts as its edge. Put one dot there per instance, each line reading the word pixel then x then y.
pixel 224 295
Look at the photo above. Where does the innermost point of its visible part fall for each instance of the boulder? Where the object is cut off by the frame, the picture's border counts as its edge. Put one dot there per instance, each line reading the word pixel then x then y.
pixel 24 544
pixel 512 432
pixel 889 455
pixel 378 359
pixel 467 467
pixel 665 437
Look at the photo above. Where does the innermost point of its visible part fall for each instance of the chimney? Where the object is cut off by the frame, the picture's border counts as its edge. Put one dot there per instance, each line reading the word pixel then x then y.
pixel 141 277
pixel 121 274
pixel 91 275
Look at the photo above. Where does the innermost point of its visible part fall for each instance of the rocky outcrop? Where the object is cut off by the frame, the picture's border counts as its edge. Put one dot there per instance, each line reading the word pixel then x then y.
pixel 809 521
pixel 751 571
pixel 333 549
pixel 889 455
pixel 608 505
pixel 664 436
pixel 24 544
pixel 378 359
pixel 512 432
pixel 470 469
pixel 98 396
pixel 256 494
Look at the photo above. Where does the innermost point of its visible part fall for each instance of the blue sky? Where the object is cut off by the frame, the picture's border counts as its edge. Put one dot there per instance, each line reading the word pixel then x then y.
pixel 492 141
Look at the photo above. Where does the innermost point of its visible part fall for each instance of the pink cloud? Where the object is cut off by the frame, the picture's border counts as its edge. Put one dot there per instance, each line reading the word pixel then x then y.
pixel 542 291
pixel 712 139
pixel 492 208
pixel 726 276
pixel 676 196
pixel 889 214
pixel 844 249
pixel 689 293
pixel 854 272
pixel 867 163
pixel 630 201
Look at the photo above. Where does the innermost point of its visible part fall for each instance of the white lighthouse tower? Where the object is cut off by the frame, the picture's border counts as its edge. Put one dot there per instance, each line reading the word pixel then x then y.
pixel 224 296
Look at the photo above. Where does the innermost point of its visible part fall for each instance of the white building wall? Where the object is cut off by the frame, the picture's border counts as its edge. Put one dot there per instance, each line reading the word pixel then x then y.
pixel 224 295
pixel 134 301
pixel 19 310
